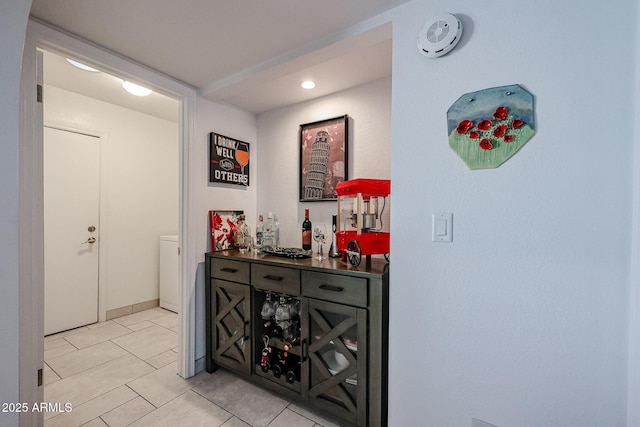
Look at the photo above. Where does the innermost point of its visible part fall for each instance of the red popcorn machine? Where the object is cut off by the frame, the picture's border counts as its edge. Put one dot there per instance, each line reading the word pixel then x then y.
pixel 362 228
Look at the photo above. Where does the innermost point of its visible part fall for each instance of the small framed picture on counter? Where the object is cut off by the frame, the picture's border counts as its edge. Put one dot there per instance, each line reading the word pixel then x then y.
pixel 222 225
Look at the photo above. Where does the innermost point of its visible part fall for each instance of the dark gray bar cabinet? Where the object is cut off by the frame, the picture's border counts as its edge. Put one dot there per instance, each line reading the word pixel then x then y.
pixel 331 353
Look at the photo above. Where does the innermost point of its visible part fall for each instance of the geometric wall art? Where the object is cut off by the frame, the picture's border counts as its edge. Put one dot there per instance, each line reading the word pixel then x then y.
pixel 489 126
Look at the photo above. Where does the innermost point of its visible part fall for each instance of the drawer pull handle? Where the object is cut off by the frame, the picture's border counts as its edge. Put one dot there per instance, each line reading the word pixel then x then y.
pixel 274 278
pixel 333 288
pixel 229 270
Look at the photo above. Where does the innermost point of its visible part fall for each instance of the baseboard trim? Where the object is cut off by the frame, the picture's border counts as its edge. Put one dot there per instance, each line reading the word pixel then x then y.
pixel 200 364
pixel 133 308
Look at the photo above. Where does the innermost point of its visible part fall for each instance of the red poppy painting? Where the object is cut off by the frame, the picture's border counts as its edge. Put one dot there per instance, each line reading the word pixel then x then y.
pixel 222 225
pixel 487 127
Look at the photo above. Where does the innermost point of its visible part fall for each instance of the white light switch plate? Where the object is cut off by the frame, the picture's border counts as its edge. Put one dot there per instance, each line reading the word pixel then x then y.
pixel 442 227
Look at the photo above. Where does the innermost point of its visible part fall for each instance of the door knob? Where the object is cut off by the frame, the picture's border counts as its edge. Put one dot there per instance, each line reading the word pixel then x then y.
pixel 90 240
pixel 91 229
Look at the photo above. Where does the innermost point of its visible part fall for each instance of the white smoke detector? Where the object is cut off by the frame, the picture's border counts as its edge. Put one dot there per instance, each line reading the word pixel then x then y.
pixel 439 35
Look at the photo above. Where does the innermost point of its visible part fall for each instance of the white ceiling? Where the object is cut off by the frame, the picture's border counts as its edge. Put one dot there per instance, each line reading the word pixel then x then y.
pixel 105 87
pixel 247 53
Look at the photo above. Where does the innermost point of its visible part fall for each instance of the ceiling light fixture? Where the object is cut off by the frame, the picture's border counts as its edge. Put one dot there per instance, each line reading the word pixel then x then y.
pixel 82 66
pixel 308 84
pixel 135 89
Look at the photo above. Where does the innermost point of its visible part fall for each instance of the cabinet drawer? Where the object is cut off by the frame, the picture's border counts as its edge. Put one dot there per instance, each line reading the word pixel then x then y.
pixel 276 279
pixel 334 287
pixel 234 271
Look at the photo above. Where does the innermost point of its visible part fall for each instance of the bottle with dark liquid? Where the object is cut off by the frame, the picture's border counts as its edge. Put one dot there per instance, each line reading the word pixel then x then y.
pixel 287 364
pixel 293 373
pixel 271 331
pixel 306 231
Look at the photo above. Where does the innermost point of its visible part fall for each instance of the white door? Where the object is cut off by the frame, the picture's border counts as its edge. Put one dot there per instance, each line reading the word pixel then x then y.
pixel 71 208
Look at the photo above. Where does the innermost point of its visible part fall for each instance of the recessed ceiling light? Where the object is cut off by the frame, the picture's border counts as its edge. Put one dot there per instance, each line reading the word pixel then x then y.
pixel 135 89
pixel 308 84
pixel 82 66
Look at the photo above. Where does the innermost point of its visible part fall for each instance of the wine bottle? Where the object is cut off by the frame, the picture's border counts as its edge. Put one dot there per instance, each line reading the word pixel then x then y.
pixel 306 231
pixel 285 363
pixel 272 332
pixel 290 344
pixel 276 366
pixel 293 373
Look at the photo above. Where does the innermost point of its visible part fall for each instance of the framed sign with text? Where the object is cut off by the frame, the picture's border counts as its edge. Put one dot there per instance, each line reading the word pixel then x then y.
pixel 228 160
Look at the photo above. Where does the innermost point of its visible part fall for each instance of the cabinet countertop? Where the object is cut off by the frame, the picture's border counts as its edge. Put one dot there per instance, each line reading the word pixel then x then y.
pixel 378 266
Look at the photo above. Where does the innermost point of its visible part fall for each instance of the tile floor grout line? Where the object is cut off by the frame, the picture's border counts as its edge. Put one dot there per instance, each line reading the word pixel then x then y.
pixel 54 371
pixel 140 359
pixel 279 413
pixel 94 366
pixel 119 346
pixel 142 397
pixel 298 413
pixel 95 398
pixel 227 410
pixel 70 343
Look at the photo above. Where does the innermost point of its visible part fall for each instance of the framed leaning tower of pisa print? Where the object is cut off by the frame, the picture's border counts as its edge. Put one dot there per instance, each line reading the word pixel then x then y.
pixel 323 158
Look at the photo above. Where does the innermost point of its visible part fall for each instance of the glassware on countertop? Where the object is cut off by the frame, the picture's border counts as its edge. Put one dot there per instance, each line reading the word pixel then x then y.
pixel 320 236
pixel 242 235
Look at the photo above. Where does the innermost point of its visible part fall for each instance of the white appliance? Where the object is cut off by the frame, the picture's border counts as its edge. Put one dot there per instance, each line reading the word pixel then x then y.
pixel 439 35
pixel 169 267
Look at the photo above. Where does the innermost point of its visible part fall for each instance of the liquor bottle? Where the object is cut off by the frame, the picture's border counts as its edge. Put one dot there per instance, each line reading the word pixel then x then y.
pixel 276 231
pixel 268 232
pixel 259 229
pixel 306 231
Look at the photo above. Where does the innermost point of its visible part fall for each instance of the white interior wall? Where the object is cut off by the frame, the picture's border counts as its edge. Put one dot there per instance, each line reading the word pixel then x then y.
pixel 522 320
pixel 13 22
pixel 237 124
pixel 139 173
pixel 234 123
pixel 633 375
pixel 369 110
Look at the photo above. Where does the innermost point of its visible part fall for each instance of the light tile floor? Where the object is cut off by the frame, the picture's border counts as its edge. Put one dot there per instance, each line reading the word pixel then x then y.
pixel 123 372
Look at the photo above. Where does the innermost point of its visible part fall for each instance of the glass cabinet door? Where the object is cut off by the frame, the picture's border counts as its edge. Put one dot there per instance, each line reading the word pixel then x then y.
pixel 334 368
pixel 231 305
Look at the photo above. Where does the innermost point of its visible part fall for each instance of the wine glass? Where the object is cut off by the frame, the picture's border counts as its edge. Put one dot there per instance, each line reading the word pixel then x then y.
pixel 268 308
pixel 323 239
pixel 320 236
pixel 283 312
pixel 242 155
